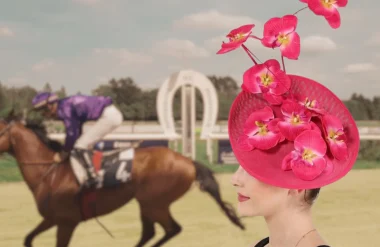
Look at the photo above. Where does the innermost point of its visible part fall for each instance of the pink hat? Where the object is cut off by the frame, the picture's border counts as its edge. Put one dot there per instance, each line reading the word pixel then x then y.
pixel 286 130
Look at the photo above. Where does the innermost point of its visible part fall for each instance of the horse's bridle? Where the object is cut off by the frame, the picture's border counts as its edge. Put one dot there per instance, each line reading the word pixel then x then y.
pixel 51 168
pixel 7 127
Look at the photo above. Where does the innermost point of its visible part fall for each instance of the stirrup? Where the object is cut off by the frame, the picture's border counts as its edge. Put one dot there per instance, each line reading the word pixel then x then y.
pixel 92 178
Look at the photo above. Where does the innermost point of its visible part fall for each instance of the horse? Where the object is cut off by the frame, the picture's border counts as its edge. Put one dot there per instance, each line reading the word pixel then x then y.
pixel 159 177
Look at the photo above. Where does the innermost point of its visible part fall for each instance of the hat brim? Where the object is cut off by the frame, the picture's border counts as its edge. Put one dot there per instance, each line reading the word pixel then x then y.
pixel 44 103
pixel 266 165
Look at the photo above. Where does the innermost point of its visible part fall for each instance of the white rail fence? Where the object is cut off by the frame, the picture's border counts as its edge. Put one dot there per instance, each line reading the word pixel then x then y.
pixel 154 132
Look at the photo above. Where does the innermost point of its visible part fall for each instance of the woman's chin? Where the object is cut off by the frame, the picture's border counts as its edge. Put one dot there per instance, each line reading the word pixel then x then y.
pixel 245 210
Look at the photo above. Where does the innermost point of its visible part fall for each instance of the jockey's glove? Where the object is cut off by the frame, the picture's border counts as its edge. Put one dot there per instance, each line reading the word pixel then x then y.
pixel 60 156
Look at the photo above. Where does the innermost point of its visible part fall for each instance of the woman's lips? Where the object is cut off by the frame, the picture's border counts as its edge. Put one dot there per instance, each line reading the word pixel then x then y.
pixel 242 198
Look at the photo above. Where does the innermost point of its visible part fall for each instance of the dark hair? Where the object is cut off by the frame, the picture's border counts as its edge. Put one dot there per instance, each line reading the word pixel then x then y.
pixel 311 195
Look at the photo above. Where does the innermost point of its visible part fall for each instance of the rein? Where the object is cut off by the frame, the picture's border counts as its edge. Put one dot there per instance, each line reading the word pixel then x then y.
pixel 53 164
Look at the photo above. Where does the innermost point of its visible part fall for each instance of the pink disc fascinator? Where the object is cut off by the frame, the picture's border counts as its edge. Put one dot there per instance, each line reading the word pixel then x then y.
pixel 287 130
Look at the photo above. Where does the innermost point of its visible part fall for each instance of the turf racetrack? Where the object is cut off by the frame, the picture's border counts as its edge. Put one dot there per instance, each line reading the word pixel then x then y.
pixel 347 214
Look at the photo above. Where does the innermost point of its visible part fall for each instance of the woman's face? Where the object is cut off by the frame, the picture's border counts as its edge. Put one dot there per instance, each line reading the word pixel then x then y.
pixel 256 198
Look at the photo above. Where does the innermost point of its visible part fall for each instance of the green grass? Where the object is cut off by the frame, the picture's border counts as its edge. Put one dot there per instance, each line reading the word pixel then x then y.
pixel 346 213
pixel 8 169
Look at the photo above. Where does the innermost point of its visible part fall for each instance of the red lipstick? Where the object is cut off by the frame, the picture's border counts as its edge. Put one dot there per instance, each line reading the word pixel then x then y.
pixel 242 198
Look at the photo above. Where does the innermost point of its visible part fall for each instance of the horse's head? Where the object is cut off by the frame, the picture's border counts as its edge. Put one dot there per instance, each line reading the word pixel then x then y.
pixel 6 125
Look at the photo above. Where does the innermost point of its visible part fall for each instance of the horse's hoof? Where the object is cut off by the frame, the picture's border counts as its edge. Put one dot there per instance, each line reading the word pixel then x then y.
pixel 27 244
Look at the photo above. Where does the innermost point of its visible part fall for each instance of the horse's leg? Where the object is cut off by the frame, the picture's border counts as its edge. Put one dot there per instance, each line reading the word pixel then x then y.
pixel 148 231
pixel 164 218
pixel 43 226
pixel 64 234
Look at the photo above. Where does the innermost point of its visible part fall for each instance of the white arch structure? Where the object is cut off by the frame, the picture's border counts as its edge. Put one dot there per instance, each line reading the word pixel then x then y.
pixel 187 80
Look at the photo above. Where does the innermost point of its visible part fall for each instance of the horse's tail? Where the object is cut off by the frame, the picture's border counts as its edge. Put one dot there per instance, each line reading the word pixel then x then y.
pixel 208 183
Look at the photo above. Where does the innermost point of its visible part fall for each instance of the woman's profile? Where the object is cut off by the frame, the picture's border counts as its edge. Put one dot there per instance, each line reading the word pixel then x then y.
pixel 290 134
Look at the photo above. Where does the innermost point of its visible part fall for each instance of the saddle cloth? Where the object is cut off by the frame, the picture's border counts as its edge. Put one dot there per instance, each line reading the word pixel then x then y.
pixel 112 168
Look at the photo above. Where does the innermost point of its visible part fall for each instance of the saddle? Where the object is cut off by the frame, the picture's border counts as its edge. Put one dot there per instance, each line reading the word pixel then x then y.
pixel 112 168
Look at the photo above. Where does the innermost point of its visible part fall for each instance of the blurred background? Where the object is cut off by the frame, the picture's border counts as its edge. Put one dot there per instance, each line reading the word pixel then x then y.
pixel 127 49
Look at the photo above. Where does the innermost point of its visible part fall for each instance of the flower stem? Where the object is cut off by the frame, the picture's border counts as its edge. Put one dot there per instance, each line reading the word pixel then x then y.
pixel 255 37
pixel 254 55
pixel 283 63
pixel 300 10
pixel 249 53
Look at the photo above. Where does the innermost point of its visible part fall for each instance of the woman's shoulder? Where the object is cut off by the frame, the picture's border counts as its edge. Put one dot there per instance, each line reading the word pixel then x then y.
pixel 265 241
pixel 262 243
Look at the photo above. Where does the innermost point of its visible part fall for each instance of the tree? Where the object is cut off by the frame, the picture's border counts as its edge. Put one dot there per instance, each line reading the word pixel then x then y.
pixel 47 87
pixel 62 92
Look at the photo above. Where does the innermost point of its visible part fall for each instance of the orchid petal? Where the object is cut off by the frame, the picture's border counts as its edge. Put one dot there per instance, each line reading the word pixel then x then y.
pixel 317 7
pixel 271 28
pixel 306 171
pixel 236 38
pixel 283 84
pixel 289 23
pixel 250 79
pixel 338 149
pixel 276 28
pixel 336 137
pixel 331 122
pixel 273 127
pixel 292 49
pixel 290 108
pixel 329 166
pixel 227 47
pixel 311 140
pixel 246 29
pixel 334 20
pixel 311 104
pixel 264 142
pixel 273 99
pixel 273 65
pixel 267 78
pixel 315 128
pixel 291 131
pixel 263 115
pixel 286 162
pixel 243 144
pixel 342 3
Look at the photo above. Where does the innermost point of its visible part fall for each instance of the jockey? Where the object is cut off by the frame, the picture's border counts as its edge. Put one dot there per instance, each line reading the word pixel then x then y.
pixel 74 111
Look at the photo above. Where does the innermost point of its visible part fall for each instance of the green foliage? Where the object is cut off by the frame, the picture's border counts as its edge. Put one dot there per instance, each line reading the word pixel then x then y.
pixel 137 104
pixel 369 150
pixel 362 108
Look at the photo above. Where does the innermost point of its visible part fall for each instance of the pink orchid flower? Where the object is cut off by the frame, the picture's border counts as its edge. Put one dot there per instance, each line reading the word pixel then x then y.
pixel 307 161
pixel 236 37
pixel 296 120
pixel 328 9
pixel 335 136
pixel 260 131
pixel 267 78
pixel 311 104
pixel 280 32
pixel 314 126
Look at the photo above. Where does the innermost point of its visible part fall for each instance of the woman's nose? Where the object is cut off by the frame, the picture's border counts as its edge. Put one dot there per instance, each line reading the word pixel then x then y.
pixel 235 179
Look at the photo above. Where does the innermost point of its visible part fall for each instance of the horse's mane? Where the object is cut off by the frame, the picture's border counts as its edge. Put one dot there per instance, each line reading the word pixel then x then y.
pixel 40 130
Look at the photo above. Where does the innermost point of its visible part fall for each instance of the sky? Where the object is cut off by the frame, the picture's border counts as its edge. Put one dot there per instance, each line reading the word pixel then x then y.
pixel 81 44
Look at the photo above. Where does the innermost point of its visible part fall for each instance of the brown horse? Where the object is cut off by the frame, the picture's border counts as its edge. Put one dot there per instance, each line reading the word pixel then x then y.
pixel 159 177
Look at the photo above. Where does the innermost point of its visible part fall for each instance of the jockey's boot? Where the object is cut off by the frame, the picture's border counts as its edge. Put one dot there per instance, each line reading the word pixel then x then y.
pixel 85 158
